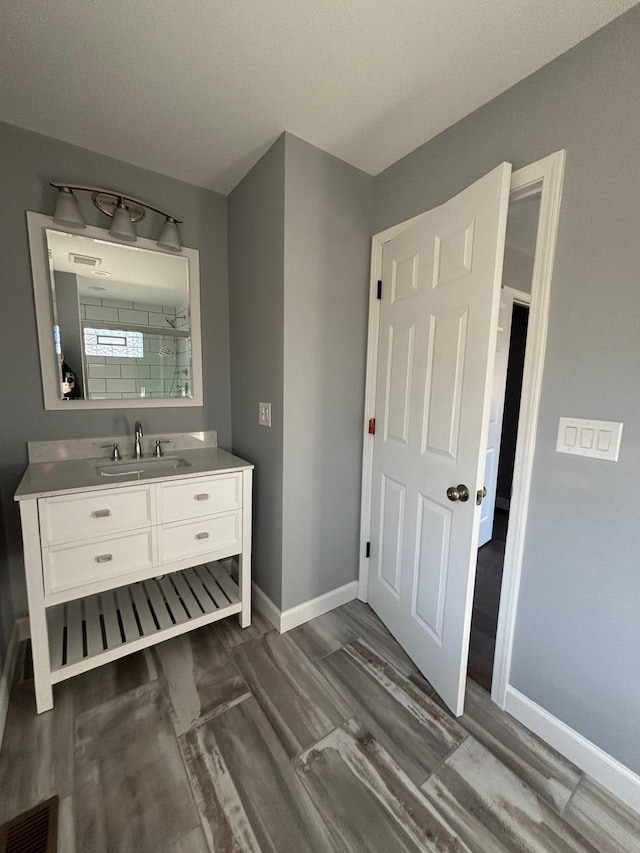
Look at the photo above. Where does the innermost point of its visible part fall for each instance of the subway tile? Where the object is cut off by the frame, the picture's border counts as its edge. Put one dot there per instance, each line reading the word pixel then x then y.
pixel 152 385
pixel 117 303
pixel 121 385
pixel 95 359
pixel 85 299
pixel 126 315
pixel 100 313
pixel 97 386
pixel 104 371
pixel 160 320
pixel 144 306
pixel 135 371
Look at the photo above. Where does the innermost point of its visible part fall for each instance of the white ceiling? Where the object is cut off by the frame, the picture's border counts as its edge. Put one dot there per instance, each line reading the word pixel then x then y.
pixel 199 89
pixel 135 274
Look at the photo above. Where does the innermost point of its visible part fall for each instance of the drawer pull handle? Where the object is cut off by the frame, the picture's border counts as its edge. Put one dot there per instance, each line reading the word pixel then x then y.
pixel 101 513
pixel 104 558
pixel 202 497
pixel 202 535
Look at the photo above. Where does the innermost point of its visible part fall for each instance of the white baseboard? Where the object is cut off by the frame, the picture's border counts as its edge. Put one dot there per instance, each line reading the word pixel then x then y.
pixel 265 606
pixel 285 620
pixel 608 771
pixel 20 631
pixel 302 613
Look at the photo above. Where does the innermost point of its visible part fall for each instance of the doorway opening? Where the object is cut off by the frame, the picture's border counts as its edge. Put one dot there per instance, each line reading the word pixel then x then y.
pixel 520 247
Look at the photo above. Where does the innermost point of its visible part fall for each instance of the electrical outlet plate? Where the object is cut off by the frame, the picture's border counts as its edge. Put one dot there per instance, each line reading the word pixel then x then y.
pixel 598 439
pixel 264 414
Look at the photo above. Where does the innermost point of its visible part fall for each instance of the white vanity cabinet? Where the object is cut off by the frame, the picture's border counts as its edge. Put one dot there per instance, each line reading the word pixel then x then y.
pixel 114 570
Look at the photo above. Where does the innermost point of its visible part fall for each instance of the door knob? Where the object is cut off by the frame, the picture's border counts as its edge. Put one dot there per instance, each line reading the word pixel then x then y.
pixel 458 493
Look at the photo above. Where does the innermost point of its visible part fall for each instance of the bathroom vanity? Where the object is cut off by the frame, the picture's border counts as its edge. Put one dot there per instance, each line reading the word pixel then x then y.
pixel 122 555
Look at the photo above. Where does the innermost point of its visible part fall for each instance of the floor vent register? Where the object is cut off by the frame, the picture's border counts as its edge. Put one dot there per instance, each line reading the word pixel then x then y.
pixel 34 831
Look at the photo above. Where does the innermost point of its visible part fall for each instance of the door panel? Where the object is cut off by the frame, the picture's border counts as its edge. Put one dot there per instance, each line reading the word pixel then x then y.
pixel 438 324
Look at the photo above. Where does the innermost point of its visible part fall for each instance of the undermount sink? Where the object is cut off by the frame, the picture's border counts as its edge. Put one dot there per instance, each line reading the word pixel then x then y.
pixel 139 468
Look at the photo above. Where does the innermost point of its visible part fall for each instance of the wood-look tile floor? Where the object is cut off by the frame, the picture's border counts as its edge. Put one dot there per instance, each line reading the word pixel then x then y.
pixel 323 739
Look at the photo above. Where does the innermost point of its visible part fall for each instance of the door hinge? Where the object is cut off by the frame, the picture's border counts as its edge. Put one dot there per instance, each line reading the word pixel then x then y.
pixel 367 553
pixel 372 426
pixel 379 289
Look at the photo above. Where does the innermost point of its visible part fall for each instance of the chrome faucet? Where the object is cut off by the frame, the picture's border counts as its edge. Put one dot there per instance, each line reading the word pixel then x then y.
pixel 137 448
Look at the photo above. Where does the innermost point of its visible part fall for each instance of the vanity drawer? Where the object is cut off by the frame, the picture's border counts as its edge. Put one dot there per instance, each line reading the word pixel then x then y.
pixel 186 539
pixel 199 497
pixel 73 517
pixel 73 565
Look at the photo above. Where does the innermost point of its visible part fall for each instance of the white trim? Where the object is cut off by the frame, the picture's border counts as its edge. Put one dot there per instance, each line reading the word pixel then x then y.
pixel 545 177
pixel 285 620
pixel 369 406
pixel 302 613
pixel 263 605
pixel 609 772
pixel 519 296
pixel 37 223
pixel 19 632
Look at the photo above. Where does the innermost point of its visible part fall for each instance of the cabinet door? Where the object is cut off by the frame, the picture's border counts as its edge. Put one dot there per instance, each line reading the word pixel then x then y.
pixel 199 497
pixel 219 535
pixel 79 564
pixel 69 518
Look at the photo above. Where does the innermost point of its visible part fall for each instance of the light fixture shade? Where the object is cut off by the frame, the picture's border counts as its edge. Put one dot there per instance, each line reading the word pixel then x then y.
pixel 170 236
pixel 67 211
pixel 122 226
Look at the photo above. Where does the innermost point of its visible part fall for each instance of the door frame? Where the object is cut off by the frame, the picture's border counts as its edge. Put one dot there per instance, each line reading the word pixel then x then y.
pixel 544 178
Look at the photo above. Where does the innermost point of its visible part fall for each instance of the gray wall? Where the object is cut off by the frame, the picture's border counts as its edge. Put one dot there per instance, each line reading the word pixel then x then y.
pixel 298 271
pixel 327 253
pixel 577 631
pixel 27 163
pixel 256 298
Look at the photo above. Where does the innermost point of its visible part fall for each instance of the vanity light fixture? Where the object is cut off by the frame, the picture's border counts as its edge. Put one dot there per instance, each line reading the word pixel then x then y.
pixel 67 211
pixel 124 211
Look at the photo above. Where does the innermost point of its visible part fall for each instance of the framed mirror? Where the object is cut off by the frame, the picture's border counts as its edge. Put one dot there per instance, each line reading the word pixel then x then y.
pixel 118 323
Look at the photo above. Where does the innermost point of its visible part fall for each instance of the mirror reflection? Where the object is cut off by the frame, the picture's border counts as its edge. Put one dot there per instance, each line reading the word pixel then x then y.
pixel 121 320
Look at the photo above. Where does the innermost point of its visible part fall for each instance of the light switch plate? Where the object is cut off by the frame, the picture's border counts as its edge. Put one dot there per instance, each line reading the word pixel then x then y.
pixel 264 414
pixel 598 439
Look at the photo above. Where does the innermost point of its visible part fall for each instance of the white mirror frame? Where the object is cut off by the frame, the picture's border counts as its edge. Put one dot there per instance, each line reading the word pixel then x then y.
pixel 37 225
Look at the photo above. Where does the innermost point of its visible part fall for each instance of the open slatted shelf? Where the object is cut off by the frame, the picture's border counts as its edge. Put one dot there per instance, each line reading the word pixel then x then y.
pixel 88 632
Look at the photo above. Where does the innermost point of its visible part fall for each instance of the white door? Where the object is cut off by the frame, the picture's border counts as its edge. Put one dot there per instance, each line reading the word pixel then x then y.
pixel 437 339
pixel 496 414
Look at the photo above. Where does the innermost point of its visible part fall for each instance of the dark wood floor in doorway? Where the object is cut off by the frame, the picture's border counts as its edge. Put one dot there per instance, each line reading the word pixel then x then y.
pixel 486 601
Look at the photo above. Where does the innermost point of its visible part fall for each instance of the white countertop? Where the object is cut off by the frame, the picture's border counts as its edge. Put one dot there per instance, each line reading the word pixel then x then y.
pixel 45 479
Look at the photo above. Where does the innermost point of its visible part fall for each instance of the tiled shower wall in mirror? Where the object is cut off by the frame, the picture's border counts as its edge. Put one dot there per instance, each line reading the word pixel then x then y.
pixel 155 361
